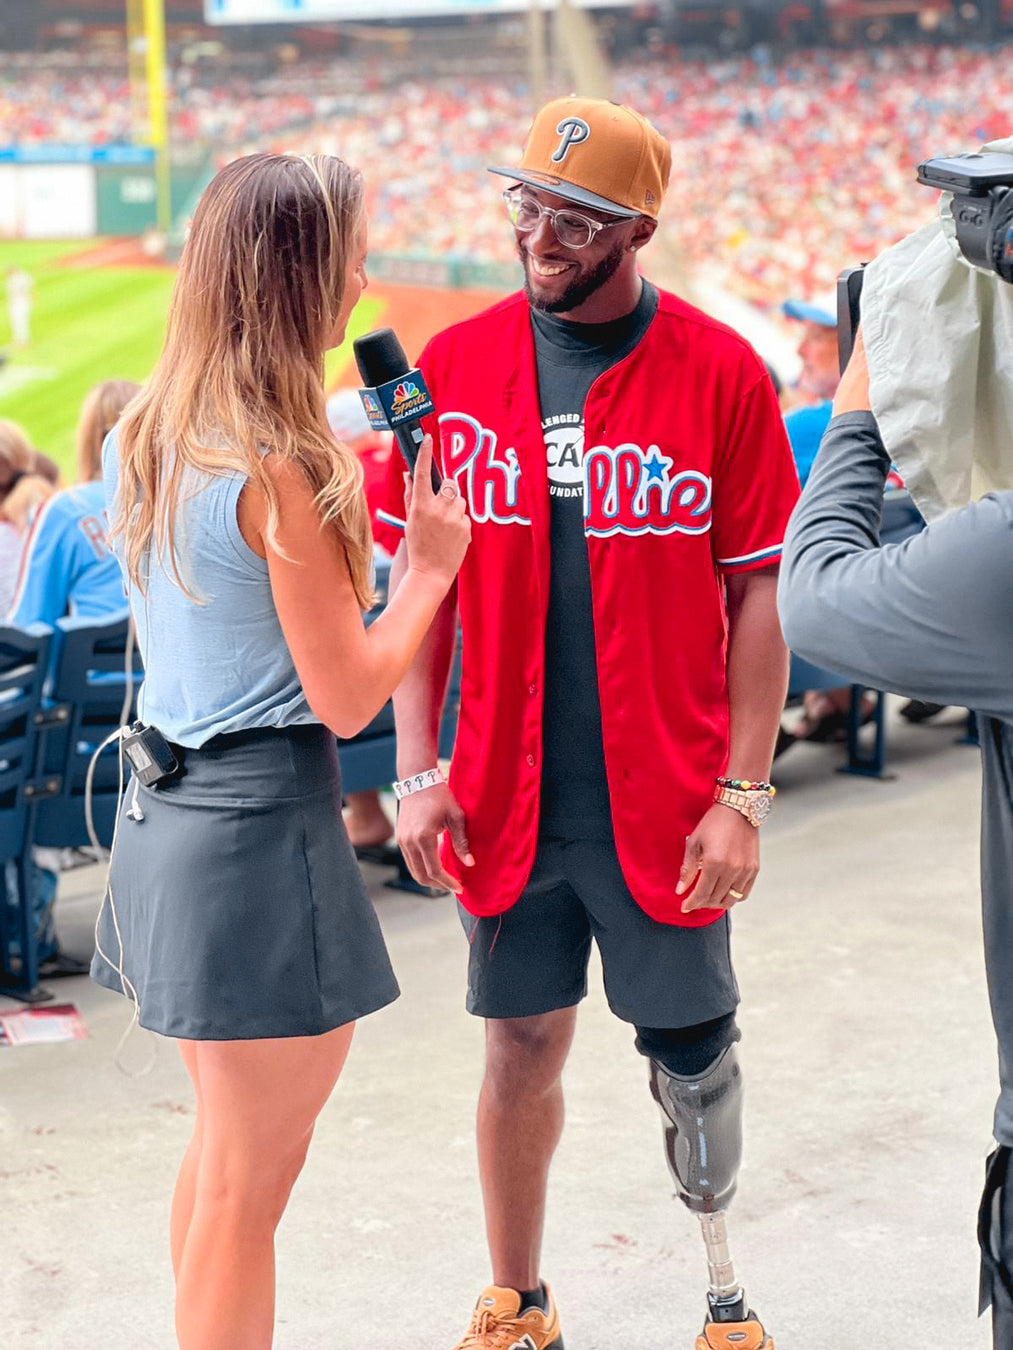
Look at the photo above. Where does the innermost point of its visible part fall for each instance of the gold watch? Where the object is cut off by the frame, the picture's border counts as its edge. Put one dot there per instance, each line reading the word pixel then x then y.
pixel 752 800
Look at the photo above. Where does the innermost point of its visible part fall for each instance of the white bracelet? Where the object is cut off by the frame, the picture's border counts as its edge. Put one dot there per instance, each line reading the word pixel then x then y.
pixel 418 782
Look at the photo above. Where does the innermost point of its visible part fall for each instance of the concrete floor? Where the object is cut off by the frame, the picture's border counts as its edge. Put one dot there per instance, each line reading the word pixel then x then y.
pixel 871 1075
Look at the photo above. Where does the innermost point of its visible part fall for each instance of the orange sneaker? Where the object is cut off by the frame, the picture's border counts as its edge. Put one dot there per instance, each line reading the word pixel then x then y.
pixel 747 1335
pixel 498 1323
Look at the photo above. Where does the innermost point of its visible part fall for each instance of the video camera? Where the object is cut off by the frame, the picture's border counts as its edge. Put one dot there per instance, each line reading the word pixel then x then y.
pixel 982 207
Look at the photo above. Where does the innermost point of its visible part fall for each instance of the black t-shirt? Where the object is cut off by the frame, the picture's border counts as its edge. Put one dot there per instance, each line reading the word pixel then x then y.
pixel 571 356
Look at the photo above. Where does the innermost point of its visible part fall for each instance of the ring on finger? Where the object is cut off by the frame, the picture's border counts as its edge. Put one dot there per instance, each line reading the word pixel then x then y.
pixel 448 489
pixel 737 895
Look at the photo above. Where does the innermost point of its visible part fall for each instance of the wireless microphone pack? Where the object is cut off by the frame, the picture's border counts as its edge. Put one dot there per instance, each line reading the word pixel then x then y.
pixel 395 396
pixel 150 755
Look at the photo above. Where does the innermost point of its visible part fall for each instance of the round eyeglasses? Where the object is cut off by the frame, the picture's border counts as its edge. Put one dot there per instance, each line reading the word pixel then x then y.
pixel 572 229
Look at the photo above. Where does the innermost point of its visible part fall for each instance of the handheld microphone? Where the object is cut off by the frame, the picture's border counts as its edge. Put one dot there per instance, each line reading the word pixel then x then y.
pixel 395 397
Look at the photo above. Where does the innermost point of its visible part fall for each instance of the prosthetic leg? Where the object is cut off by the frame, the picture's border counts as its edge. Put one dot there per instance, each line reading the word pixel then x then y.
pixel 702 1119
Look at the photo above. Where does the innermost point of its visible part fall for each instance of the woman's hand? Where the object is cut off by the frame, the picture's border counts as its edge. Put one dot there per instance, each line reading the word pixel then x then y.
pixel 853 390
pixel 438 529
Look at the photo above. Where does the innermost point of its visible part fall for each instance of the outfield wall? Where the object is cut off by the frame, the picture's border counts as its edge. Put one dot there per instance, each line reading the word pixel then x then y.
pixel 84 192
pixel 448 273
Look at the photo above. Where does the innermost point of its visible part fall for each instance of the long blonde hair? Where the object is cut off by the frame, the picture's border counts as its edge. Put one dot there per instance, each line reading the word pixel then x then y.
pixel 256 300
pixel 100 412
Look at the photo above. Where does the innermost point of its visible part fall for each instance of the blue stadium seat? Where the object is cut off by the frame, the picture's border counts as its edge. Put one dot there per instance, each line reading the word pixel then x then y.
pixel 83 703
pixel 24 664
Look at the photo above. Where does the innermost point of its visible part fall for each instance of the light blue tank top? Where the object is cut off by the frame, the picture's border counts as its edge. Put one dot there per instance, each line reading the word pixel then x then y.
pixel 222 665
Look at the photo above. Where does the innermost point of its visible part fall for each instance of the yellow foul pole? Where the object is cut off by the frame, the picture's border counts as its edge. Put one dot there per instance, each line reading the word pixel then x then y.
pixel 146 30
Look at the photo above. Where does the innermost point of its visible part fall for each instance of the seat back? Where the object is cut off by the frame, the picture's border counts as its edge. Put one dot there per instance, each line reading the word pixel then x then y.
pixel 85 699
pixel 24 662
pixel 805 676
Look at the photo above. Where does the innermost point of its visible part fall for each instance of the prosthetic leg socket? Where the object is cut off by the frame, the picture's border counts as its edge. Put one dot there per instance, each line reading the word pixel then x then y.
pixel 702 1119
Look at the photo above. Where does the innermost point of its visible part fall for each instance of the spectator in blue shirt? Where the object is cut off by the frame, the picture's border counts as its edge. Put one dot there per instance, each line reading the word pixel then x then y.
pixel 25 482
pixel 67 567
pixel 825 711
pixel 812 397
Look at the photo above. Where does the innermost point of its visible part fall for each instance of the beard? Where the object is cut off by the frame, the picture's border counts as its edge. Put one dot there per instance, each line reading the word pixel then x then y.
pixel 584 284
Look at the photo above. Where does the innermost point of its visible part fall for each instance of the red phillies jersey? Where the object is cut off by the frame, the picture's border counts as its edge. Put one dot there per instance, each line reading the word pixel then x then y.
pixel 687 475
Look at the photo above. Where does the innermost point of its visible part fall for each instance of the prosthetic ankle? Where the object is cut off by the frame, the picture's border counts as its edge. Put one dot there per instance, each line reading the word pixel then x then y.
pixel 702 1120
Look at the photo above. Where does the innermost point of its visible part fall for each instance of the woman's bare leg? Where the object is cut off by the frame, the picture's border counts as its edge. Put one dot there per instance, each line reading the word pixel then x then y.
pixel 260 1101
pixel 186 1182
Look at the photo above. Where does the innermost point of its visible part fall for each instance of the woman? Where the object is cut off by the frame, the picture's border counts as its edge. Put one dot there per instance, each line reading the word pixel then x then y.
pixel 25 482
pixel 235 913
pixel 67 567
pixel 101 410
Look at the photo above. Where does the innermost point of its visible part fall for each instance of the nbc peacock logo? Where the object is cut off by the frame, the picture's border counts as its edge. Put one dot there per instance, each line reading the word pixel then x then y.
pixel 405 393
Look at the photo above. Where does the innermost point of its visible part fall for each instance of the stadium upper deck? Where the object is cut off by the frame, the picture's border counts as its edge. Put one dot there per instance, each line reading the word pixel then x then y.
pixel 783 170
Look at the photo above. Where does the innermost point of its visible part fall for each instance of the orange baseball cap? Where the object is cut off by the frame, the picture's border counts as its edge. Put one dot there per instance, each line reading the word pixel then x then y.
pixel 597 153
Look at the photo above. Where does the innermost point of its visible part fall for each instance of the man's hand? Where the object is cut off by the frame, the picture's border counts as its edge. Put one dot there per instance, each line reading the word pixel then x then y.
pixel 853 390
pixel 421 819
pixel 724 853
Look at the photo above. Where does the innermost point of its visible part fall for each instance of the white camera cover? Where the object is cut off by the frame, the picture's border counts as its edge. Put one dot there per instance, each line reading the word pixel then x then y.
pixel 939 337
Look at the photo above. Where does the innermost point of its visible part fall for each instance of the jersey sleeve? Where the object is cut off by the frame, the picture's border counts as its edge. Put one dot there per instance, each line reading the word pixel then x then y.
pixel 46 570
pixel 755 484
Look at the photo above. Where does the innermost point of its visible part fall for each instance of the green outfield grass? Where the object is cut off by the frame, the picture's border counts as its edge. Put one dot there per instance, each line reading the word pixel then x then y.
pixel 91 324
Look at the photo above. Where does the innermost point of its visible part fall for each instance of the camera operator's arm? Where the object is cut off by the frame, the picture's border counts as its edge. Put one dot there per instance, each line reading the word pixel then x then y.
pixel 930 617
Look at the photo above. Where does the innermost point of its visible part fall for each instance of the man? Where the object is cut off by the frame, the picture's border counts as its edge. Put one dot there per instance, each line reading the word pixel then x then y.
pixel 628 477
pixel 19 305
pixel 811 397
pixel 825 716
pixel 928 617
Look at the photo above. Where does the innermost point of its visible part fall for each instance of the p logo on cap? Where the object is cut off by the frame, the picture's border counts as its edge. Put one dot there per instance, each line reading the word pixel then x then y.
pixel 574 131
pixel 596 153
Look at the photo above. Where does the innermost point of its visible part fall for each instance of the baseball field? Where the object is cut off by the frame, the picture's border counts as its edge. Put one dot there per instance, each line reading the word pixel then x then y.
pixel 99 313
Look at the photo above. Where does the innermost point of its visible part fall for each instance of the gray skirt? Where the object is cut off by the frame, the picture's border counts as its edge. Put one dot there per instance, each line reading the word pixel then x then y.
pixel 239 901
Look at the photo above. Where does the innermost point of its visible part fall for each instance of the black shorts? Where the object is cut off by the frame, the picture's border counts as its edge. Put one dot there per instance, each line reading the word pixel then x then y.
pixel 533 959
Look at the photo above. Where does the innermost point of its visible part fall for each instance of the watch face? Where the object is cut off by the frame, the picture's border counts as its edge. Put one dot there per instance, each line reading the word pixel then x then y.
pixel 759 809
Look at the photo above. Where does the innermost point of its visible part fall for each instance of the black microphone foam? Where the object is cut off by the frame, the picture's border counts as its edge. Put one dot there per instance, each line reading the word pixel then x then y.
pixel 380 357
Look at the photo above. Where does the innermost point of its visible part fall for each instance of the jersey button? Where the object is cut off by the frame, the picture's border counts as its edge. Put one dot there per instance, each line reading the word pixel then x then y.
pixel 532 689
pixel 531 761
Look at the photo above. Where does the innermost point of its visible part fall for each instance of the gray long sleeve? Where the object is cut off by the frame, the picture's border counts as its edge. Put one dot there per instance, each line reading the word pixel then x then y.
pixel 930 617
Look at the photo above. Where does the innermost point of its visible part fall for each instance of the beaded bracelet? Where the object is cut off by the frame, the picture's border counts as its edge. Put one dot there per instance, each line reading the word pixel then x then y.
pixel 744 785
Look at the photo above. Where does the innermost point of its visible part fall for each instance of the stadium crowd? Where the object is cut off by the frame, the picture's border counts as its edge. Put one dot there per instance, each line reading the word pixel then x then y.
pixel 784 169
